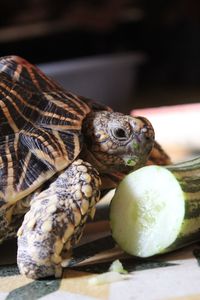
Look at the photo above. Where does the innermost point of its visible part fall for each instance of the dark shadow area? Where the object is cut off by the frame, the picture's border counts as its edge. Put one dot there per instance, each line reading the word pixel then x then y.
pixel 165 31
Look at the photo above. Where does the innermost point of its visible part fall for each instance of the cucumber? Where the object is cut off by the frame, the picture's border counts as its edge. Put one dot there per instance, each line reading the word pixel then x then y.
pixel 156 209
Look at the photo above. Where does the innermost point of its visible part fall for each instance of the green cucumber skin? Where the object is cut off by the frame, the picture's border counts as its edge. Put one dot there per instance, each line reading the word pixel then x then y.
pixel 183 241
pixel 188 176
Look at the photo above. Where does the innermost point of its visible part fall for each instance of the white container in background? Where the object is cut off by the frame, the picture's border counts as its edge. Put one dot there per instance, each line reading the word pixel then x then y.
pixel 110 79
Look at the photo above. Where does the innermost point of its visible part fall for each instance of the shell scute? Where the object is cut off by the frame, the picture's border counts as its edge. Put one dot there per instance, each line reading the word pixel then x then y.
pixel 40 128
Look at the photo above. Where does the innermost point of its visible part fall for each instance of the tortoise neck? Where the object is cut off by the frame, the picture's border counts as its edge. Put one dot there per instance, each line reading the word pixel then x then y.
pixel 89 156
pixel 109 176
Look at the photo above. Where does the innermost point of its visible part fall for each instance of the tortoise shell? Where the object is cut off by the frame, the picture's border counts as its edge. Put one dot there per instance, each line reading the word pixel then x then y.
pixel 40 128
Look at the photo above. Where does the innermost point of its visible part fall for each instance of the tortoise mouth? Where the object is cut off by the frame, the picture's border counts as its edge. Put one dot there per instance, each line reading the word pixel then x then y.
pixel 138 153
pixel 131 161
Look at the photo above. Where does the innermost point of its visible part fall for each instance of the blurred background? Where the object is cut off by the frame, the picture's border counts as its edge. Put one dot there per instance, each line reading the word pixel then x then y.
pixel 126 53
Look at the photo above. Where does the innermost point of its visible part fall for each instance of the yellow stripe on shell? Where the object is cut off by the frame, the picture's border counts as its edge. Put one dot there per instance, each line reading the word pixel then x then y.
pixel 32 75
pixel 15 143
pixel 80 103
pixel 58 103
pixel 1 162
pixel 66 106
pixel 45 78
pixel 60 141
pixel 17 195
pixel 35 108
pixel 10 171
pixel 8 116
pixel 17 72
pixel 41 139
pixel 25 167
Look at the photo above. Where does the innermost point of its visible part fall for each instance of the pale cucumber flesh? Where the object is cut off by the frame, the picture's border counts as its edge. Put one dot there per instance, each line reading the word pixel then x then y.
pixel 147 211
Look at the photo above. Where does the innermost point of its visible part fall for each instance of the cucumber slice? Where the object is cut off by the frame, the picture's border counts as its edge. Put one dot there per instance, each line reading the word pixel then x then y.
pixel 147 211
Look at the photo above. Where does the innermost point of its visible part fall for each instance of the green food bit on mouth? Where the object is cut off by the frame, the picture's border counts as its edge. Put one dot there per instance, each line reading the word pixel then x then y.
pixel 135 145
pixel 130 162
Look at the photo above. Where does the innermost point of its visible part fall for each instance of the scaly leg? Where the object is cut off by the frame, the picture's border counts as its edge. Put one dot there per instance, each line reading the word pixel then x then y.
pixel 56 219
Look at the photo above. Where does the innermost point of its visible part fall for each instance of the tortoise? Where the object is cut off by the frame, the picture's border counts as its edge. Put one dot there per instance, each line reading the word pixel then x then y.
pixel 58 151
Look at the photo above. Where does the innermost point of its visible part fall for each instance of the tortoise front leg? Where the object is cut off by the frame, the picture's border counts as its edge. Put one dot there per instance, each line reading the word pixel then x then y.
pixel 56 219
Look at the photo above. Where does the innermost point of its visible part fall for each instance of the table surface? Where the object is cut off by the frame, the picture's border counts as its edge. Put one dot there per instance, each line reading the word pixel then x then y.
pixel 173 276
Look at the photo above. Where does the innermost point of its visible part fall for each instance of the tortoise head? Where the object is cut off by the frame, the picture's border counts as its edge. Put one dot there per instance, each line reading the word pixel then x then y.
pixel 117 142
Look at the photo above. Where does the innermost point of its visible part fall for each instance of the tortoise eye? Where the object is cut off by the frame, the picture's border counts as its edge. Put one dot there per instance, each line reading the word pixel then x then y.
pixel 120 134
